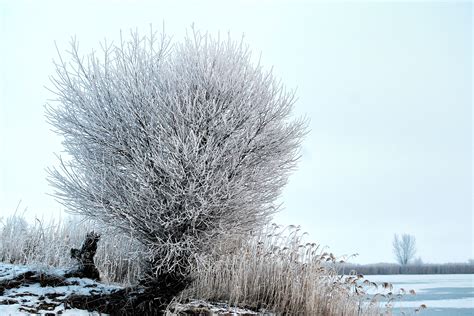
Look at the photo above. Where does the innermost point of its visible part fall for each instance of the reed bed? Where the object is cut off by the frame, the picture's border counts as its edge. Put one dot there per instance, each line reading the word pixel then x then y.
pixel 276 270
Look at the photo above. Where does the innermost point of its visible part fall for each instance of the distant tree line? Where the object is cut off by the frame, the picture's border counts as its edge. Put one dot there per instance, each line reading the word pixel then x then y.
pixel 423 268
pixel 404 250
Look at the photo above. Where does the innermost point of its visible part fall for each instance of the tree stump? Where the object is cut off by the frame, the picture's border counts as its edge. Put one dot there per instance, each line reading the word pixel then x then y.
pixel 150 297
pixel 85 257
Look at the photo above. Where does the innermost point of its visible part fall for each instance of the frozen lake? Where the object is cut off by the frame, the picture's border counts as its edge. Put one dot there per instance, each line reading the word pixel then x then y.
pixel 444 294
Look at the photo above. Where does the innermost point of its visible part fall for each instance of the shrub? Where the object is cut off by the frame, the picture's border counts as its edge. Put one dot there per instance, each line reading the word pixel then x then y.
pixel 174 145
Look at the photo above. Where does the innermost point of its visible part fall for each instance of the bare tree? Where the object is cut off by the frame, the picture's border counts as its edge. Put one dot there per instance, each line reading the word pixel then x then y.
pixel 404 248
pixel 174 144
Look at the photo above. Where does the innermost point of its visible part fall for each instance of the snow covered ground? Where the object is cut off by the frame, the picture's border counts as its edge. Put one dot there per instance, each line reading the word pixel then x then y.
pixel 29 298
pixel 36 299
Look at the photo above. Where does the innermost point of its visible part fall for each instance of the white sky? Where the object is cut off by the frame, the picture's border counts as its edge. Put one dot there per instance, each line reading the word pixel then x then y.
pixel 387 86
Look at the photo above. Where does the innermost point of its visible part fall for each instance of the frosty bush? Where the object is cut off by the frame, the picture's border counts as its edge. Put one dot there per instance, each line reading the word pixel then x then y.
pixel 174 144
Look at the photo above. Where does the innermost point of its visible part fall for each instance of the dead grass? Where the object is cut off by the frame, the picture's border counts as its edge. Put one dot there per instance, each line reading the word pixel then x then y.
pixel 276 270
pixel 48 243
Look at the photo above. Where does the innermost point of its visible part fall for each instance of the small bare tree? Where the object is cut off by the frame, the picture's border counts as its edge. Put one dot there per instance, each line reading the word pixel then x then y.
pixel 404 248
pixel 172 144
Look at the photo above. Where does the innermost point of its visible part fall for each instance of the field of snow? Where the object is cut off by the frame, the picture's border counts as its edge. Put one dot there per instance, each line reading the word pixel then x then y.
pixel 444 294
pixel 34 298
pixel 19 295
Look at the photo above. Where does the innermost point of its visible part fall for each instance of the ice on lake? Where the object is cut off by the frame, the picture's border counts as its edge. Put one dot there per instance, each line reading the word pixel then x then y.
pixel 444 294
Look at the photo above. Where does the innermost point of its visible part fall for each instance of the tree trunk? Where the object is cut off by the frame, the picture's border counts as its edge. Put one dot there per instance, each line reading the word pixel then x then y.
pixel 150 296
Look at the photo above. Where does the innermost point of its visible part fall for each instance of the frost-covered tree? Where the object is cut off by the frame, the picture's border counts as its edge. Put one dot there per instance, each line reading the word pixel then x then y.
pixel 404 248
pixel 174 144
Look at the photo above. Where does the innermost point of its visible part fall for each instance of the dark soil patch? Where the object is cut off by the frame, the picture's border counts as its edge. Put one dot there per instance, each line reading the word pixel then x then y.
pixel 30 277
pixel 91 285
pixel 28 310
pixel 52 296
pixel 8 302
pixel 47 306
pixel 24 294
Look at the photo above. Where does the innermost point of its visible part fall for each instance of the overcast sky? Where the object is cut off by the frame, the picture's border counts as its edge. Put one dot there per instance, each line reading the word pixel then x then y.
pixel 387 87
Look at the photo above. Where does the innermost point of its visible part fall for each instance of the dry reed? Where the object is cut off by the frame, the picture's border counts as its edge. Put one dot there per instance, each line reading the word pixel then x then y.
pixel 275 270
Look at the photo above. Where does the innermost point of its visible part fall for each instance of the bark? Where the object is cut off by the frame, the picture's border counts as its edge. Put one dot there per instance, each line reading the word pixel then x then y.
pixel 85 257
pixel 151 296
